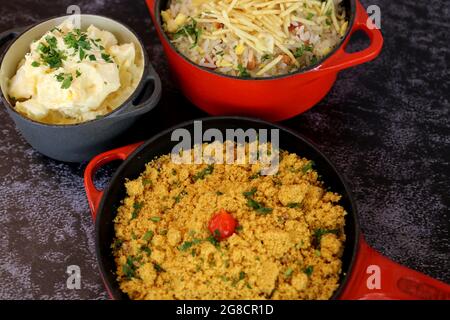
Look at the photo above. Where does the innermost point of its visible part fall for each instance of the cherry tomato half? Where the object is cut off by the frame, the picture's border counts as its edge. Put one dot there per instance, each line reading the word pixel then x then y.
pixel 222 225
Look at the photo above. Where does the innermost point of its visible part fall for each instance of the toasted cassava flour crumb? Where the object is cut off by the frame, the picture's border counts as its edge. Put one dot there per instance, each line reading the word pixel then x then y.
pixel 289 250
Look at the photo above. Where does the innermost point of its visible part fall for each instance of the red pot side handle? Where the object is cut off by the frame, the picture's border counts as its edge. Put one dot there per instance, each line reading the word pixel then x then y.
pixel 151 8
pixel 93 194
pixel 375 277
pixel 341 59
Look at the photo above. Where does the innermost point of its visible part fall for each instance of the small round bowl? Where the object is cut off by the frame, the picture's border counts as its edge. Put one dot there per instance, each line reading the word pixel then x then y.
pixel 274 98
pixel 77 142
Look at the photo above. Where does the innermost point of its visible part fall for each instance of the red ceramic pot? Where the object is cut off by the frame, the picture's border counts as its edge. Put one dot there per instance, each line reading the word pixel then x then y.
pixel 275 98
pixel 360 263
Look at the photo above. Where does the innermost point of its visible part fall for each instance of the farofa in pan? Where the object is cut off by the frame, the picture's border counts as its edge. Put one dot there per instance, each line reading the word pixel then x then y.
pixel 287 244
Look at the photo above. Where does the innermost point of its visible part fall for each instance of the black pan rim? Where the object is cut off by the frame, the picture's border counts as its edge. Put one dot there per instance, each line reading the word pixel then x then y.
pixel 354 214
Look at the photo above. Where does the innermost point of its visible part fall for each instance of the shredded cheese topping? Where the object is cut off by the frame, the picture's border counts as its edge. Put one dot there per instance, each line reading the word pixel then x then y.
pixel 265 25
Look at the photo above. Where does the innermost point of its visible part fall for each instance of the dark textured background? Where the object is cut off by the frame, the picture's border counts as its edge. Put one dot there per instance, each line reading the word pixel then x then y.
pixel 385 124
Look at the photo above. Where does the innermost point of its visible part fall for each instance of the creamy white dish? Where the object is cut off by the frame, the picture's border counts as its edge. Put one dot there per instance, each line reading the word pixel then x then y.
pixel 73 76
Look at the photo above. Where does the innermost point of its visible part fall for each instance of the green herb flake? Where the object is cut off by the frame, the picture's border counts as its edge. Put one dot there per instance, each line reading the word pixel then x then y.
pixel 266 57
pixel 308 270
pixel 147 250
pixel 148 235
pixel 155 219
pixel 78 73
pixel 319 233
pixel 219 193
pixel 106 57
pixel 250 193
pixel 186 245
pixel 65 78
pixel 255 205
pixel 213 241
pixel 117 244
pixel 203 173
pixel 147 182
pixel 92 57
pixel 288 272
pixel 35 64
pixel 307 167
pixel 129 268
pixel 190 30
pixel 293 205
pixel 158 268
pixel 137 206
pixel 243 71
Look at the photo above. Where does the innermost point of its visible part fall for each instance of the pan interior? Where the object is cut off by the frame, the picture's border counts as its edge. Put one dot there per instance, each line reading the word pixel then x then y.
pixel 350 9
pixel 162 144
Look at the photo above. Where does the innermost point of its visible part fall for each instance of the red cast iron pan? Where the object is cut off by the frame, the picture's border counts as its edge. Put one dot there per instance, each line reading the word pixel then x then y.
pixel 273 98
pixel 359 260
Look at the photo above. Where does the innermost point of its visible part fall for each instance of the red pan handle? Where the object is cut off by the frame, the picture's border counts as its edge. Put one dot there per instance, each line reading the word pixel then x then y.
pixel 396 282
pixel 151 7
pixel 343 60
pixel 93 194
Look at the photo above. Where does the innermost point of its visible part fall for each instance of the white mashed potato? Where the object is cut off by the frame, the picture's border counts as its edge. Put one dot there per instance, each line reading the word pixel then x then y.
pixel 72 76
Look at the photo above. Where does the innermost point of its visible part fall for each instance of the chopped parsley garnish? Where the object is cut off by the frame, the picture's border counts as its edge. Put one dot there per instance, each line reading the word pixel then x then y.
pixel 77 40
pixel 243 71
pixel 255 176
pixel 239 228
pixel 308 270
pixel 117 244
pixel 301 50
pixel 188 244
pixel 288 272
pixel 78 73
pixel 255 205
pixel 155 219
pixel 147 182
pixel 308 166
pixel 65 78
pixel 106 57
pixel 35 64
pixel 82 54
pixel 293 205
pixel 266 57
pixel 250 193
pixel 189 30
pixel 212 239
pixel 129 269
pixel 92 57
pixel 201 175
pixel 158 268
pixel 310 16
pixel 319 233
pixel 180 196
pixel 50 54
pixel 137 206
pixel 147 250
pixel 148 235
pixel 219 193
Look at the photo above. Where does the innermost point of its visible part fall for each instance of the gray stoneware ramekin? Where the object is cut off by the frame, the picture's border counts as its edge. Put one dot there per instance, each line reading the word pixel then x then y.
pixel 77 142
